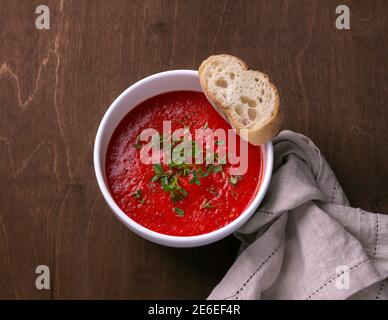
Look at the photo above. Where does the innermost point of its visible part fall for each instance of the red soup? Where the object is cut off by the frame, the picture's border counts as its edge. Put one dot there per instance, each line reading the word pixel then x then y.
pixel 178 199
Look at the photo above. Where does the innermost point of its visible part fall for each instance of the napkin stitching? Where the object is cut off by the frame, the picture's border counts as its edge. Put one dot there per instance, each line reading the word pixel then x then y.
pixel 337 276
pixel 380 289
pixel 334 192
pixel 271 212
pixel 257 270
pixel 377 237
pixel 266 211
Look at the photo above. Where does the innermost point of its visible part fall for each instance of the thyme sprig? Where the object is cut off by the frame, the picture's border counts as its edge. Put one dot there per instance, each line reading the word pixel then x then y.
pixel 169 175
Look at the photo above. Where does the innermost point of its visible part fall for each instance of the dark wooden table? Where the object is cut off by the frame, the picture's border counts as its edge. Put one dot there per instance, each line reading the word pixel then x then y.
pixel 55 86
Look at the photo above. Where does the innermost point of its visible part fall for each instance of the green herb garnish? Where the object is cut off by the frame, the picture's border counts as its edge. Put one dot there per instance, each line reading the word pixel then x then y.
pixel 158 169
pixel 214 168
pixel 195 178
pixel 169 181
pixel 169 177
pixel 137 145
pixel 202 174
pixel 159 172
pixel 138 195
pixel 179 212
pixel 233 180
pixel 206 205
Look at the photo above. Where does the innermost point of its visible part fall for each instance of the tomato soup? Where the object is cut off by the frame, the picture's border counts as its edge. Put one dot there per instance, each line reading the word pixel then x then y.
pixel 182 199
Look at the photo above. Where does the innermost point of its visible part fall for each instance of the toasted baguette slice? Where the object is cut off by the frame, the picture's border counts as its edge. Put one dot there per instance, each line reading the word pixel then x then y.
pixel 247 98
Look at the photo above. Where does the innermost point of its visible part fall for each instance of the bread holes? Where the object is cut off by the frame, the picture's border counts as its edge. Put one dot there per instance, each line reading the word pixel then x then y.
pixel 250 102
pixel 246 121
pixel 241 111
pixel 222 83
pixel 252 114
pixel 249 98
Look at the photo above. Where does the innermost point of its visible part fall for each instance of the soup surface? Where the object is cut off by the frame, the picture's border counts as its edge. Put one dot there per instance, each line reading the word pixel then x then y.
pixel 178 199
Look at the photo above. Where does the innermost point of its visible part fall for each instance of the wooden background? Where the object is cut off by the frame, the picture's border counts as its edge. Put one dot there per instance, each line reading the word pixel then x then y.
pixel 55 86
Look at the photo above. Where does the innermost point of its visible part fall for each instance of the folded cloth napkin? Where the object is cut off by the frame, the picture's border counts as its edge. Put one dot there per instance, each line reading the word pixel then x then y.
pixel 305 241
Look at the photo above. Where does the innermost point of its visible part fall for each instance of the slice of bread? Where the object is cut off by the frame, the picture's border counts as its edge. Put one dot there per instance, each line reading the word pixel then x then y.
pixel 246 97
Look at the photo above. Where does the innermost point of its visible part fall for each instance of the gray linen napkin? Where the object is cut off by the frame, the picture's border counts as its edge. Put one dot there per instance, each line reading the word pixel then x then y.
pixel 305 241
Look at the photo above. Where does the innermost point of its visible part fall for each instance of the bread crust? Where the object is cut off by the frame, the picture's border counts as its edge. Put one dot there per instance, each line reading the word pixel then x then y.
pixel 256 136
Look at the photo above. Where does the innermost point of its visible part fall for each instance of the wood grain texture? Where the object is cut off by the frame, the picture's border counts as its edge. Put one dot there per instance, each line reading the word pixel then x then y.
pixel 55 86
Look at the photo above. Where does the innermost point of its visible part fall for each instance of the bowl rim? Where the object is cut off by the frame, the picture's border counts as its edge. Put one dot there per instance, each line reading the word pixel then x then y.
pixel 156 237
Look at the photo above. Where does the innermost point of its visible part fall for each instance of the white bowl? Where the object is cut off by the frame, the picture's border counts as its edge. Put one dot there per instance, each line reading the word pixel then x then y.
pixel 142 90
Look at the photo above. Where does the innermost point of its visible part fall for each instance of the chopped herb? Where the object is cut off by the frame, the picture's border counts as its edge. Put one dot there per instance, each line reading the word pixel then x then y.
pixel 195 178
pixel 210 168
pixel 214 168
pixel 159 172
pixel 179 212
pixel 137 145
pixel 179 165
pixel 164 181
pixel 137 194
pixel 169 182
pixel 206 205
pixel 201 173
pixel 178 194
pixel 233 180
pixel 169 178
pixel 183 192
pixel 158 169
pixel 206 125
